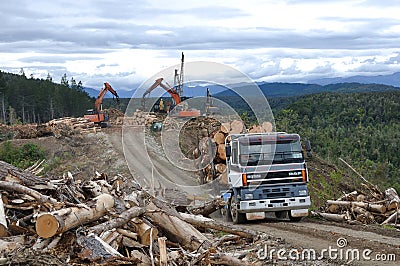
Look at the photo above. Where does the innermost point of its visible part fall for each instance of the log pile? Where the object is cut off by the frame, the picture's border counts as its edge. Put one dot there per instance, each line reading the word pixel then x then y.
pixel 60 127
pixel 139 118
pixel 113 114
pixel 111 220
pixel 370 206
pixel 70 125
pixel 211 154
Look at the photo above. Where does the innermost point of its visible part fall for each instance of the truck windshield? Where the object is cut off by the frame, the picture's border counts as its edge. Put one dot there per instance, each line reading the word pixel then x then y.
pixel 286 151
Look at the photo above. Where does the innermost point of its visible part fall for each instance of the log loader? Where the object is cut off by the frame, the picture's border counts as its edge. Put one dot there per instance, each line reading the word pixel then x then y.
pixel 183 110
pixel 97 115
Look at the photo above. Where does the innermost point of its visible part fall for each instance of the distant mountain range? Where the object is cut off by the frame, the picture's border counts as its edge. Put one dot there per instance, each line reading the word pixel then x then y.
pixel 279 89
pixel 392 79
pixel 273 90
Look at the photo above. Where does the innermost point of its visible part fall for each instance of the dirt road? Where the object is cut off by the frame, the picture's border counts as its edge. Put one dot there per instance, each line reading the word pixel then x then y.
pixel 349 244
pixel 147 162
pixel 308 234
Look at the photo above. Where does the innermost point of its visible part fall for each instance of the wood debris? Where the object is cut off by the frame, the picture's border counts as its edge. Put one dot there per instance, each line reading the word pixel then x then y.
pixel 66 223
pixel 371 206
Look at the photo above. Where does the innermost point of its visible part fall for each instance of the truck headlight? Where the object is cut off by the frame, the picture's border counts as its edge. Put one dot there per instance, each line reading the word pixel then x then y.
pixel 303 192
pixel 248 196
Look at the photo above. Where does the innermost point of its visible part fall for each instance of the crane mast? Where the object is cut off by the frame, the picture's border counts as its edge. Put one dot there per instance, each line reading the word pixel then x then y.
pixel 179 79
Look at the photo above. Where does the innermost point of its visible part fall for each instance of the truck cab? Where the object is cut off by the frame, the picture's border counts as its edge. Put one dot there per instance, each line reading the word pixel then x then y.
pixel 266 173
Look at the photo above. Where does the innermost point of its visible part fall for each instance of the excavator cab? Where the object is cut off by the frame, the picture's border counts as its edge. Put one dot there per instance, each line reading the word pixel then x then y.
pixel 97 115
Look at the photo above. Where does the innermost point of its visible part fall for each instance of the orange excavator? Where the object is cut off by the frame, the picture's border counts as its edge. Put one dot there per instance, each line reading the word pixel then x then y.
pixel 185 111
pixel 97 115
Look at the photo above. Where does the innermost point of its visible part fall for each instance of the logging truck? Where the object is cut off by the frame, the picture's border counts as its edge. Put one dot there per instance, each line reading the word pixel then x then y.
pixel 267 173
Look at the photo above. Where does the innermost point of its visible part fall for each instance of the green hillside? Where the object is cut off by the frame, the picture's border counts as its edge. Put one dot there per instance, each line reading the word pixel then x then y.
pixel 24 100
pixel 361 128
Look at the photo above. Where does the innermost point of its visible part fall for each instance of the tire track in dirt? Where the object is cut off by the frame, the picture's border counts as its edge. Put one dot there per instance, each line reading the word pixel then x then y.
pixel 317 236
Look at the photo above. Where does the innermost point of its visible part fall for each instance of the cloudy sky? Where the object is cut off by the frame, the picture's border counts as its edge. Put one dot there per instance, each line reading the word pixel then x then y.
pixel 126 42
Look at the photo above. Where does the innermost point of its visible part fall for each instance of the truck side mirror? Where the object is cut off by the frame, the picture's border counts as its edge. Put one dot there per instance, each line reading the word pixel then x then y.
pixel 308 149
pixel 228 151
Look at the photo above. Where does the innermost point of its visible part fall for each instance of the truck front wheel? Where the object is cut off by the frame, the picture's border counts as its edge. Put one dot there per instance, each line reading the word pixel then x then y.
pixel 237 218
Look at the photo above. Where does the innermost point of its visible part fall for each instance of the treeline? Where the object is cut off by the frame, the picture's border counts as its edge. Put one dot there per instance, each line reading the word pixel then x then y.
pixel 361 128
pixel 30 100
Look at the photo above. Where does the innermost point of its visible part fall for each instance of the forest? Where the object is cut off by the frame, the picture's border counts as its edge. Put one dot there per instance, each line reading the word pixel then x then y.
pixel 30 100
pixel 361 128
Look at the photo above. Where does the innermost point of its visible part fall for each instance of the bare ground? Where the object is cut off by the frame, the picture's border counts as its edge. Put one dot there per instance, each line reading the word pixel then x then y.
pixel 104 152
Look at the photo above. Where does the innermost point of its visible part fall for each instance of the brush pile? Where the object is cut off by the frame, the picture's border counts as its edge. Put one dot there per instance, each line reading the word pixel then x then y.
pixel 370 206
pixel 106 220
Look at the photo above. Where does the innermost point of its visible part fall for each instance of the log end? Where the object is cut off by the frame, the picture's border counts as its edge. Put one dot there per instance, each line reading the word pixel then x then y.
pixel 46 225
pixel 3 231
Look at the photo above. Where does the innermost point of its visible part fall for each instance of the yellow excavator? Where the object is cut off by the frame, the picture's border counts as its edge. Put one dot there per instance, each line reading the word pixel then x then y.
pixel 184 112
pixel 97 115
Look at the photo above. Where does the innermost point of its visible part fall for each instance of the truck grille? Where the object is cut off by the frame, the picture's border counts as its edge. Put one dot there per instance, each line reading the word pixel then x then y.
pixel 273 178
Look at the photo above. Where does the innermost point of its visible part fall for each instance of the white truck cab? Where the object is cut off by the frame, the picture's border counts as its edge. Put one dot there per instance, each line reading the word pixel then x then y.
pixel 266 173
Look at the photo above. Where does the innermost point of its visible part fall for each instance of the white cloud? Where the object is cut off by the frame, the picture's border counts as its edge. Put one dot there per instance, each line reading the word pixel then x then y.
pixel 128 41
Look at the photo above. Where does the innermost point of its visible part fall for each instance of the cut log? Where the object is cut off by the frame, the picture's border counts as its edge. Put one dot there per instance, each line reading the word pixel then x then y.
pixel 392 218
pixel 203 222
pixel 219 138
pixel 94 248
pixel 267 126
pixel 176 229
pixel 363 215
pixel 49 224
pixel 352 196
pixel 370 207
pixel 3 220
pixel 331 216
pixel 360 198
pixel 392 199
pixel 222 152
pixel 333 208
pixel 207 208
pixel 225 127
pixel 163 251
pixel 127 233
pixel 122 219
pixel 145 231
pixel 236 127
pixel 15 187
pixel 20 176
pixel 221 168
pixel 256 129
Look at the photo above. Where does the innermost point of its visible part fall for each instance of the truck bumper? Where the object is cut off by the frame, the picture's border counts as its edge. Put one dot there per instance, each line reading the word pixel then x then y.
pixel 272 205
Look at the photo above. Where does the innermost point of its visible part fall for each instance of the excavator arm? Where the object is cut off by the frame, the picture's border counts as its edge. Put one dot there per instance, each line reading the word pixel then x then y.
pixel 100 97
pixel 174 94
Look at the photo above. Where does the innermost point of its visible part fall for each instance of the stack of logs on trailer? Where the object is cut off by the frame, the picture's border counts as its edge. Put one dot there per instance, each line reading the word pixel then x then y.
pixel 211 154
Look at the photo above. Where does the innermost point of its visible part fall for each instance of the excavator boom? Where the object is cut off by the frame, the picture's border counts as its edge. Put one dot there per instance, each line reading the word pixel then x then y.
pixel 100 97
pixel 174 94
pixel 96 115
